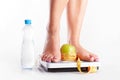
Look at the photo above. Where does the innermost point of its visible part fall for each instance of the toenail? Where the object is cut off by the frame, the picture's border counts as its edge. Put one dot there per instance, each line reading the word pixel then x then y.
pixel 97 60
pixel 48 61
pixel 92 59
pixel 54 58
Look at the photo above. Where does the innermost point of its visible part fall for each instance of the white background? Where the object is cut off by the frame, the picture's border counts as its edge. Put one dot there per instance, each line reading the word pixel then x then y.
pixel 100 34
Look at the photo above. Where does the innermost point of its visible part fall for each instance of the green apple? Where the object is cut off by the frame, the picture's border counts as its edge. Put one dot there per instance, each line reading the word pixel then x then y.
pixel 68 52
pixel 68 49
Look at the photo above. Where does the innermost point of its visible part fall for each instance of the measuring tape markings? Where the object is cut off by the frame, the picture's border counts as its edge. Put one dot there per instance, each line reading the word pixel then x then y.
pixel 91 69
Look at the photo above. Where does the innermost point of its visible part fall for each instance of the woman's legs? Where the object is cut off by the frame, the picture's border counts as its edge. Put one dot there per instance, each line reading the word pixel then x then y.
pixel 52 47
pixel 75 11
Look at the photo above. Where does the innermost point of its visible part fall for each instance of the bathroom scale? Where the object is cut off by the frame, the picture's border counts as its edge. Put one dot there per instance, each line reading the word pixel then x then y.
pixel 67 66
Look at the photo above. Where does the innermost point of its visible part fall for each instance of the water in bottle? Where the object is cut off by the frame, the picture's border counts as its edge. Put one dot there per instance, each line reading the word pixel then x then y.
pixel 27 55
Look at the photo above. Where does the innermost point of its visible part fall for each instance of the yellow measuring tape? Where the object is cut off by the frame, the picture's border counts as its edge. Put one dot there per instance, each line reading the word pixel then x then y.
pixel 91 69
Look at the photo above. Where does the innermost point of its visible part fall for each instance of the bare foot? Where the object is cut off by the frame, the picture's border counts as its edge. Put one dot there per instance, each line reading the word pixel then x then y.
pixel 85 55
pixel 51 51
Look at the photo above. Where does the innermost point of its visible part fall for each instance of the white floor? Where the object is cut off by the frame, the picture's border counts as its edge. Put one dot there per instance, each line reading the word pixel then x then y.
pixel 10 69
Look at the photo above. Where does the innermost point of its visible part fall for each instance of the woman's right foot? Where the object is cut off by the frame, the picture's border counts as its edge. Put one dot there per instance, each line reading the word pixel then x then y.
pixel 51 51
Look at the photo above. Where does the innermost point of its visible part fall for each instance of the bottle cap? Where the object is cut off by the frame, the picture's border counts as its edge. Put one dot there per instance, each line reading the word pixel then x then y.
pixel 27 21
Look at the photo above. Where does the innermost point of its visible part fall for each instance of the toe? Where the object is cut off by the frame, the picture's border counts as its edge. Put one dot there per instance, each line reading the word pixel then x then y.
pixel 91 59
pixel 94 57
pixel 88 58
pixel 49 58
pixel 44 57
pixel 55 59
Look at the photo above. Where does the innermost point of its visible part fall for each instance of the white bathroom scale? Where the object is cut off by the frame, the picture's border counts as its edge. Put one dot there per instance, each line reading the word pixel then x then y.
pixel 67 66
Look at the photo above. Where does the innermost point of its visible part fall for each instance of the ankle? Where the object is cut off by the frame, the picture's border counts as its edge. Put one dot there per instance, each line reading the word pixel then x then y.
pixel 53 35
pixel 53 29
pixel 74 43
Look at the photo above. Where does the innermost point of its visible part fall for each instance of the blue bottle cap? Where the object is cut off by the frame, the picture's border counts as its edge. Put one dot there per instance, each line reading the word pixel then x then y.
pixel 27 21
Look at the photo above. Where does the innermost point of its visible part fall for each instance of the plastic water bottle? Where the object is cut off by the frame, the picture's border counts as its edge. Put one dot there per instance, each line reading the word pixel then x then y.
pixel 28 52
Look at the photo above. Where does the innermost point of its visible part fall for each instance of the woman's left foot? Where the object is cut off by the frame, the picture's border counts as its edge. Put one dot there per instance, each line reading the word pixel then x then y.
pixel 85 55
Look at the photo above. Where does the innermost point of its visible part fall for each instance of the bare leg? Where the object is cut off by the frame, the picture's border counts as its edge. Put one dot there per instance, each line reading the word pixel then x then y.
pixel 52 47
pixel 75 11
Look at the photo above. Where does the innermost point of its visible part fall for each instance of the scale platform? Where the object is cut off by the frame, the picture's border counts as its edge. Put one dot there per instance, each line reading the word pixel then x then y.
pixel 67 66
